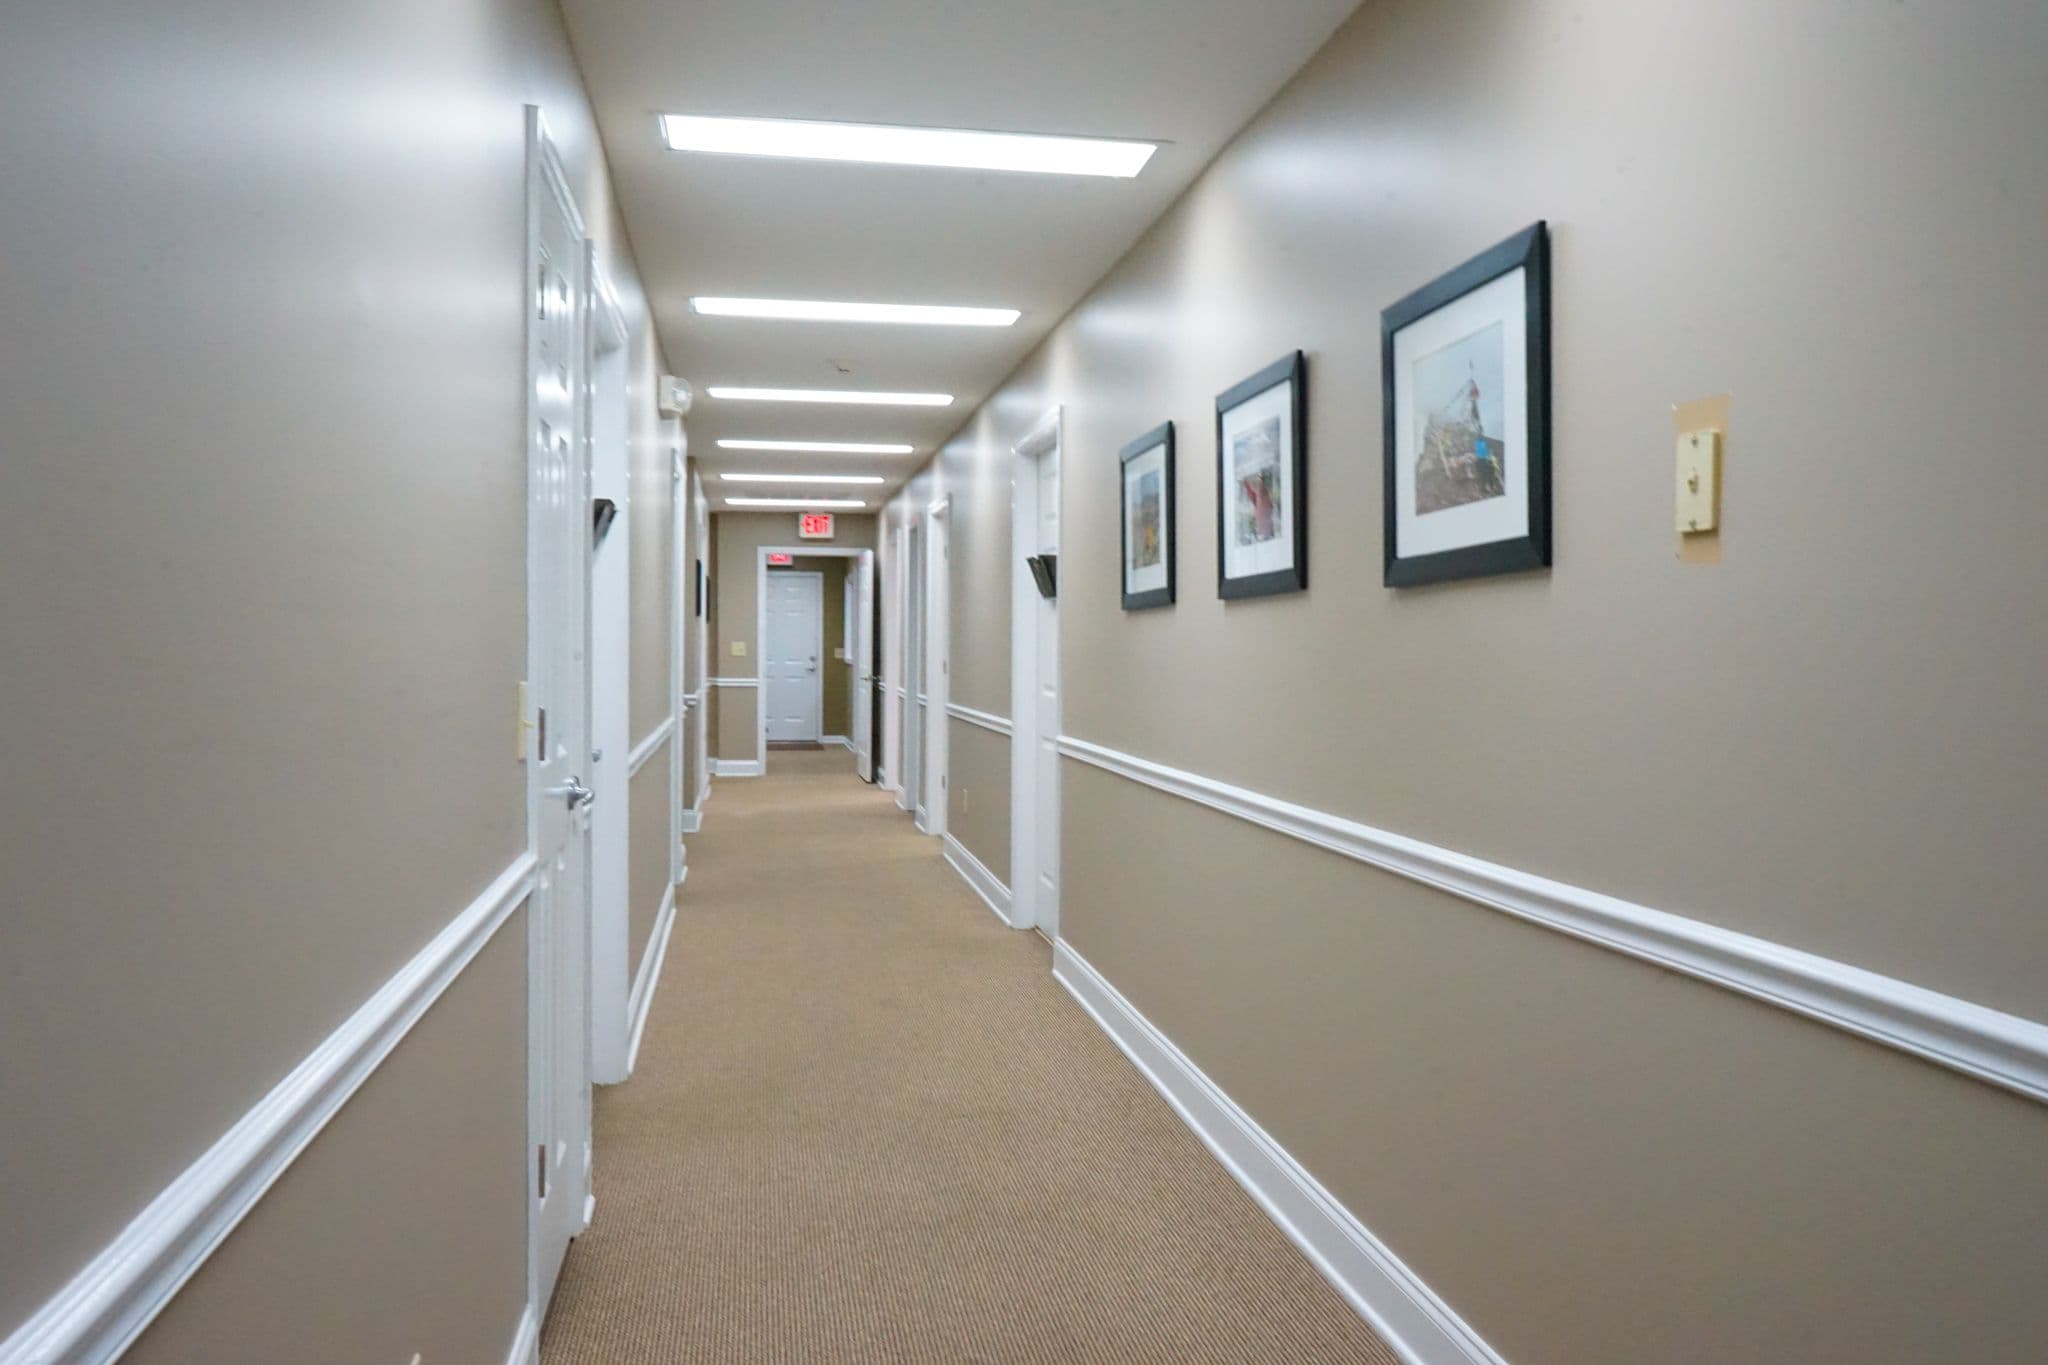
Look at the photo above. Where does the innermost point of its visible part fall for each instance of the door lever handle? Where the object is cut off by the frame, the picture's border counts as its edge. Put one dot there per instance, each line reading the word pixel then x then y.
pixel 574 792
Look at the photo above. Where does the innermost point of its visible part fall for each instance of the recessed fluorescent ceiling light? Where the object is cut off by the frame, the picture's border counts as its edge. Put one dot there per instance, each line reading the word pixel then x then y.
pixel 961 148
pixel 824 447
pixel 816 310
pixel 897 400
pixel 794 502
pixel 802 478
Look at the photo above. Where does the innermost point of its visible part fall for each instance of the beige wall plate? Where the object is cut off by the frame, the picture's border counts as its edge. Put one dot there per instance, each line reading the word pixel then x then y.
pixel 1698 493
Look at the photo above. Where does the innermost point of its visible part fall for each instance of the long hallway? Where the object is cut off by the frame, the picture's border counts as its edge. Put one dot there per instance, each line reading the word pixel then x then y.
pixel 868 1125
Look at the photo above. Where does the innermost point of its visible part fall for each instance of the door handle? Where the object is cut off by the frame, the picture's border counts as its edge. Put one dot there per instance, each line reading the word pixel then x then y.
pixel 574 792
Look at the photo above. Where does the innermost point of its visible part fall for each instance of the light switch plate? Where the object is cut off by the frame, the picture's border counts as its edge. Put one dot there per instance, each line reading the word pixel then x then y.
pixel 739 649
pixel 1697 501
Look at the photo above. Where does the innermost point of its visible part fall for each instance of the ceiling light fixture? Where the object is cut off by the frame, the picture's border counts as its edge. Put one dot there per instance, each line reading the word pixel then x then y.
pixel 959 148
pixel 794 502
pixel 818 310
pixel 872 396
pixel 822 447
pixel 803 478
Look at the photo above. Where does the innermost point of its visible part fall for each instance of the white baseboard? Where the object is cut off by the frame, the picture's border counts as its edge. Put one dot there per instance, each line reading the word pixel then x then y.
pixel 693 816
pixel 119 1292
pixel 841 740
pixel 526 1341
pixel 1414 1322
pixel 985 883
pixel 735 767
pixel 1974 1039
pixel 649 975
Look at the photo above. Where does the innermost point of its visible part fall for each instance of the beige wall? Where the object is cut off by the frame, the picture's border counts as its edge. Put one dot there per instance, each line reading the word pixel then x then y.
pixel 264 507
pixel 393 1233
pixel 737 538
pixel 647 834
pixel 655 448
pixel 1589 1158
pixel 973 474
pixel 978 793
pixel 1829 740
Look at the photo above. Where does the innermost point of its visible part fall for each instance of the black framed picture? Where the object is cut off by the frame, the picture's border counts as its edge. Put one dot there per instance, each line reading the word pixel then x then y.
pixel 700 587
pixel 1149 527
pixel 1465 397
pixel 1262 482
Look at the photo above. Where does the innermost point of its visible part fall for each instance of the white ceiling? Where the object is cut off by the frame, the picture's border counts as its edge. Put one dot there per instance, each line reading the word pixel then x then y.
pixel 1185 73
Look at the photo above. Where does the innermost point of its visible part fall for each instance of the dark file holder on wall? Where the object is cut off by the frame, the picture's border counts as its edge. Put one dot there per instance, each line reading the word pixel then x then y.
pixel 1045 572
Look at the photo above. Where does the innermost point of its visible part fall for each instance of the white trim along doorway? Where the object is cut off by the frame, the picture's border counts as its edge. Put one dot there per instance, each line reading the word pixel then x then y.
pixel 1035 684
pixel 611 738
pixel 937 664
pixel 864 561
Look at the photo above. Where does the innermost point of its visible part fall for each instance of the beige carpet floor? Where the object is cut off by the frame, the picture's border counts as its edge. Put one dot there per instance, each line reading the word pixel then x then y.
pixel 868 1126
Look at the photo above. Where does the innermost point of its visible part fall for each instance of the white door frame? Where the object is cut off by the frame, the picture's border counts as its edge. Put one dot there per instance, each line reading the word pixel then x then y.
pixel 700 712
pixel 611 733
pixel 679 619
pixel 860 577
pixel 546 180
pixel 915 684
pixel 896 670
pixel 817 708
pixel 761 634
pixel 938 543
pixel 1044 441
pixel 693 717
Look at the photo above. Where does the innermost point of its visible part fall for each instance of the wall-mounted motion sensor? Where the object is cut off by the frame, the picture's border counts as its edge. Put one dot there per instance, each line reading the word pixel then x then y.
pixel 675 396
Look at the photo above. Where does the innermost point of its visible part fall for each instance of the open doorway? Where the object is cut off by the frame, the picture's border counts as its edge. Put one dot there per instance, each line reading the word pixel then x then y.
pixel 813 614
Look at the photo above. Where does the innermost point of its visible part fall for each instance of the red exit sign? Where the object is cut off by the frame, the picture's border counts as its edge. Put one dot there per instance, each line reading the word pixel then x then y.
pixel 778 560
pixel 815 525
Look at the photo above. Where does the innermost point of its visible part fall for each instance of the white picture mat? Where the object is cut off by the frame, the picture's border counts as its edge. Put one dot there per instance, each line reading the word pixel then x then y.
pixel 1247 561
pixel 1153 576
pixel 1493 519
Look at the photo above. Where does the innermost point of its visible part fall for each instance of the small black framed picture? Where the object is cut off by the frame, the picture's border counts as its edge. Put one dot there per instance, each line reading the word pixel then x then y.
pixel 700 587
pixel 1465 397
pixel 1148 520
pixel 1262 482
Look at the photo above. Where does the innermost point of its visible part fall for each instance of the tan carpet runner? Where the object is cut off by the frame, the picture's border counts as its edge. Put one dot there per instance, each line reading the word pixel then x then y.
pixel 868 1126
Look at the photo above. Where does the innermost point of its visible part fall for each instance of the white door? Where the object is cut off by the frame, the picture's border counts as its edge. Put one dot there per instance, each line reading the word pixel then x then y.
pixel 1046 703
pixel 792 689
pixel 913 671
pixel 896 712
pixel 558 622
pixel 700 715
pixel 938 539
pixel 863 631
